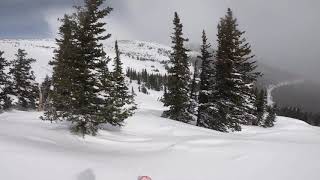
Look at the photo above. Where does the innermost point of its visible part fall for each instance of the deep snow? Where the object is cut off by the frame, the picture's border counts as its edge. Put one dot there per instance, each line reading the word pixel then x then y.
pixel 31 149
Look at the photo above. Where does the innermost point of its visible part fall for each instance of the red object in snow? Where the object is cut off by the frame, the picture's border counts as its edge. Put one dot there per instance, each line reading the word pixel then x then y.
pixel 144 178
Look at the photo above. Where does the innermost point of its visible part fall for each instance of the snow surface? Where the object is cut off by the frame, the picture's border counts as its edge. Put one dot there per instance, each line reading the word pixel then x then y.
pixel 137 55
pixel 31 149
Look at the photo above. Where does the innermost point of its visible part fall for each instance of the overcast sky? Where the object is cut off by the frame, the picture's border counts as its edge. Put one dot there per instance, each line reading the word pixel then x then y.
pixel 284 33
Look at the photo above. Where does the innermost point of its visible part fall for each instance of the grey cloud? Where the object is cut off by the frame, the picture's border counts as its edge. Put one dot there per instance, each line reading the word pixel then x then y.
pixel 283 33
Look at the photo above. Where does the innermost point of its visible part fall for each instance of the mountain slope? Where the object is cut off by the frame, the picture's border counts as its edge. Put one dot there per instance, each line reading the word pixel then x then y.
pixel 138 55
pixel 154 57
pixel 31 149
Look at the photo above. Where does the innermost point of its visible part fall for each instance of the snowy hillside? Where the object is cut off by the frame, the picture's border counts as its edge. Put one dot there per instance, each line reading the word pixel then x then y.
pixel 31 149
pixel 138 55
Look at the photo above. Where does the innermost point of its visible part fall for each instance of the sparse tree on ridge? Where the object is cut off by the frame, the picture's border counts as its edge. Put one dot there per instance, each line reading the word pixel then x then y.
pixel 177 97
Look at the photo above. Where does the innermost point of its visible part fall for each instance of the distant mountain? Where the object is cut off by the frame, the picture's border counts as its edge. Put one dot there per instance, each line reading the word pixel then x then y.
pixel 137 55
pixel 305 94
pixel 154 57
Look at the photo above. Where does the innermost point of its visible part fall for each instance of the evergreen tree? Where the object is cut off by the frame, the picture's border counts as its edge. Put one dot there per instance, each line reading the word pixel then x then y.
pixel 206 85
pixel 44 93
pixel 121 99
pixel 64 63
pixel 86 61
pixel 234 78
pixel 24 86
pixel 260 107
pixel 143 89
pixel 177 97
pixel 87 106
pixel 5 84
pixel 246 67
pixel 271 117
pixel 152 81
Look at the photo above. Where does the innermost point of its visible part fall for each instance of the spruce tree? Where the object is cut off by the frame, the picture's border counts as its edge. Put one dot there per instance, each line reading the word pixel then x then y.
pixel 64 63
pixel 271 117
pixel 177 97
pixel 121 99
pixel 86 61
pixel 260 107
pixel 206 85
pixel 235 77
pixel 5 84
pixel 24 86
pixel 246 67
pixel 86 103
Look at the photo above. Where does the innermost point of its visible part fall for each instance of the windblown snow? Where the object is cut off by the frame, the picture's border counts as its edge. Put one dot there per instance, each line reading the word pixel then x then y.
pixel 31 149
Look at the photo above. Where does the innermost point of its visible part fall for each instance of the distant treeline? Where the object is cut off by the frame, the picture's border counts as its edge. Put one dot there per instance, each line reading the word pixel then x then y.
pixel 151 81
pixel 297 113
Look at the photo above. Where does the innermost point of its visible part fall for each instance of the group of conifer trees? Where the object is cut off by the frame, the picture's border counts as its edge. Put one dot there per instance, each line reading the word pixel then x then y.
pixel 151 81
pixel 298 113
pixel 84 91
pixel 18 88
pixel 221 95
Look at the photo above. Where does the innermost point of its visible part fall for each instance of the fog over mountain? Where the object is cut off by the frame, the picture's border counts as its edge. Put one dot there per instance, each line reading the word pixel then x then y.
pixel 283 33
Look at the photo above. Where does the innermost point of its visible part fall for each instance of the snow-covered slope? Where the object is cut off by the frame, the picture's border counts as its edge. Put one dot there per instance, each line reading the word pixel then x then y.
pixel 138 55
pixel 31 149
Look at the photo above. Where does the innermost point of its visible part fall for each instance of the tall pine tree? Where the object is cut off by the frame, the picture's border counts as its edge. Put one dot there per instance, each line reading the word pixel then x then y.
pixel 206 85
pixel 90 57
pixel 85 96
pixel 24 86
pixel 64 63
pixel 234 77
pixel 5 84
pixel 260 107
pixel 121 99
pixel 177 97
